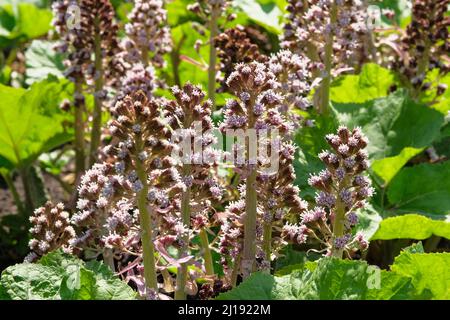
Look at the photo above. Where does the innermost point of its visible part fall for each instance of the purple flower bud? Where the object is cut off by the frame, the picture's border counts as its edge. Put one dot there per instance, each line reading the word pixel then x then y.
pixel 325 199
pixel 352 218
pixel 346 197
pixel 341 242
pixel 258 109
pixel 245 96
pixel 137 186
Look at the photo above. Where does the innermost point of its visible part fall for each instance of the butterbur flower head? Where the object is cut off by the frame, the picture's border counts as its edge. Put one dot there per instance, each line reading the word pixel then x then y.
pixel 78 39
pixel 253 78
pixel 148 33
pixel 190 117
pixel 256 107
pixel 294 76
pixel 352 218
pixel 310 22
pixel 325 199
pixel 138 78
pixel 233 47
pixel 96 189
pixel 108 191
pixel 315 215
pixel 297 233
pixel 424 44
pixel 50 230
pixel 342 186
pixel 204 8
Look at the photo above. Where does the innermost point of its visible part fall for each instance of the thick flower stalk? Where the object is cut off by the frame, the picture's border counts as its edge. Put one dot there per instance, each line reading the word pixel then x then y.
pixel 136 181
pixel 277 202
pixel 91 44
pixel 255 114
pixel 424 45
pixel 331 33
pixel 210 11
pixel 342 190
pixel 189 117
pixel 148 35
pixel 234 46
pixel 50 230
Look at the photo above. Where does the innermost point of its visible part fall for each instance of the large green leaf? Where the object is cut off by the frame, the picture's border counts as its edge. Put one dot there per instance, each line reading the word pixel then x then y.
pixel 369 220
pixel 373 82
pixel 258 286
pixel 388 167
pixel 423 188
pixel 23 21
pixel 328 279
pixel 42 60
pixel 108 285
pixel 61 276
pixel 442 102
pixel 411 226
pixel 39 3
pixel 392 123
pixel 291 259
pixel 429 272
pixel 31 121
pixel 290 256
pixel 265 13
pixel 177 12
pixel 30 282
pixel 397 127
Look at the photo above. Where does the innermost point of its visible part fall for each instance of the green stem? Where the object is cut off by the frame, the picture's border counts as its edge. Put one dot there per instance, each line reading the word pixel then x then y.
pixel 80 164
pixel 212 56
pixel 144 57
pixel 235 272
pixel 180 293
pixel 146 223
pixel 267 240
pixel 248 258
pixel 209 266
pixel 67 188
pixel 423 66
pixel 432 243
pixel 249 251
pixel 9 182
pixel 168 286
pixel 29 203
pixel 372 47
pixel 338 229
pixel 175 59
pixel 108 259
pixel 97 115
pixel 108 256
pixel 424 61
pixel 325 86
pixel 339 221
